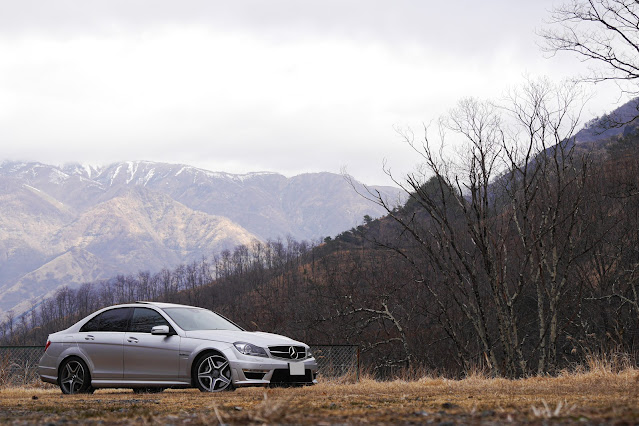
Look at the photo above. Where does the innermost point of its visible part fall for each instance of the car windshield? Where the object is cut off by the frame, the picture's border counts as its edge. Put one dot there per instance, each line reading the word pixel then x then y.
pixel 199 319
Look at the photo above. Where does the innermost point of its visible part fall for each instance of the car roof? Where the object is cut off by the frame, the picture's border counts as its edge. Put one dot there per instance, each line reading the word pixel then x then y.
pixel 165 305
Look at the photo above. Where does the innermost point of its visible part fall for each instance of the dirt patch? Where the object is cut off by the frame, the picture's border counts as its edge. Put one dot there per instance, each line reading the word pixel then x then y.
pixel 590 398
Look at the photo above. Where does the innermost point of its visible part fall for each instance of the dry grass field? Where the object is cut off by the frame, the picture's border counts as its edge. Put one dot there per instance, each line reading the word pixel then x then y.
pixel 599 395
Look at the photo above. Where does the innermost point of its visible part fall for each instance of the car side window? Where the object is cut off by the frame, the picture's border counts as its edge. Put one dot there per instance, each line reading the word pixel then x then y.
pixel 111 320
pixel 144 319
pixel 92 325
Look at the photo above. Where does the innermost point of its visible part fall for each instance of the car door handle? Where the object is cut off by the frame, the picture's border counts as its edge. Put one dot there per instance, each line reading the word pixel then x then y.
pixel 132 340
pixel 89 337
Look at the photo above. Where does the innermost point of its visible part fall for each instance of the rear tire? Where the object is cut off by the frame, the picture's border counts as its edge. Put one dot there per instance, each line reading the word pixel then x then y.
pixel 74 377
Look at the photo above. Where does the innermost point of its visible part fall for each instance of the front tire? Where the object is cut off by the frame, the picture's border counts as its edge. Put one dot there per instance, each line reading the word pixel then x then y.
pixel 74 377
pixel 213 373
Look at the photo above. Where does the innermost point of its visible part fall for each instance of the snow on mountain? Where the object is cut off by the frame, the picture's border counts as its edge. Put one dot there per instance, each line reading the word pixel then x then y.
pixel 64 225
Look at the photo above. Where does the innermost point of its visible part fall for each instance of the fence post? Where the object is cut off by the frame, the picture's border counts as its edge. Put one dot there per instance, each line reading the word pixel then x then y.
pixel 358 363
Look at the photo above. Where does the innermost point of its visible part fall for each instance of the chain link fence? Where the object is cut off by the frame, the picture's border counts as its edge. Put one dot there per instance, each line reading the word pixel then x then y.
pixel 336 361
pixel 19 364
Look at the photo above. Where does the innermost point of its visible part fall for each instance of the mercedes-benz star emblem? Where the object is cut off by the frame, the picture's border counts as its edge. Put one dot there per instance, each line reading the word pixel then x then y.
pixel 293 353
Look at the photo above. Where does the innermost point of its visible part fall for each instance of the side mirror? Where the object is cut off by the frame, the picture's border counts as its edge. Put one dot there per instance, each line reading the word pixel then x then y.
pixel 161 330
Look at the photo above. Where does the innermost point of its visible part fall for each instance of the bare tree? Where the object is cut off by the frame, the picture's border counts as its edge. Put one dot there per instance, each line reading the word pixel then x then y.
pixel 374 300
pixel 495 222
pixel 9 323
pixel 605 32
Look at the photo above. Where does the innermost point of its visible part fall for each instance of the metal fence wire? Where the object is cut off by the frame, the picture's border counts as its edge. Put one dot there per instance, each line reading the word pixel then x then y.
pixel 19 364
pixel 337 360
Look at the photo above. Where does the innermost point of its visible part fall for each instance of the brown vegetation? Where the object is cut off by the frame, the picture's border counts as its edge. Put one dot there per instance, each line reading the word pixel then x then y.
pixel 606 392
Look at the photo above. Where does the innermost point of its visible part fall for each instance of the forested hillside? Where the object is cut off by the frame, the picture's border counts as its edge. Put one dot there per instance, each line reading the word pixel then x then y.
pixel 519 256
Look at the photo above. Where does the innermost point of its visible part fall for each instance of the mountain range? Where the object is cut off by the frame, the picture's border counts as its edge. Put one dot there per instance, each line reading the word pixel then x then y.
pixel 65 225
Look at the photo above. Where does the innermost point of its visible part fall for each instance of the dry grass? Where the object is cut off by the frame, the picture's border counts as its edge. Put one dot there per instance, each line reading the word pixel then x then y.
pixel 602 392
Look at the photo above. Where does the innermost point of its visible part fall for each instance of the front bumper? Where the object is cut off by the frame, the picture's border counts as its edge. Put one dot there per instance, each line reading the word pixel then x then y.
pixel 273 372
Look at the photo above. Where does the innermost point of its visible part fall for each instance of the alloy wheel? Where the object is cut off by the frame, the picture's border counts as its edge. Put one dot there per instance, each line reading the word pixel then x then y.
pixel 213 373
pixel 73 377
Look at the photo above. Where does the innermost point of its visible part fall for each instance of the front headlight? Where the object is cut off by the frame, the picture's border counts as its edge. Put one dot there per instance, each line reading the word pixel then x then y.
pixel 248 349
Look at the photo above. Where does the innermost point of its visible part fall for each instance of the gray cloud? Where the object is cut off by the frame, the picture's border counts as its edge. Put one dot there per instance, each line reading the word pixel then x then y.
pixel 458 25
pixel 288 86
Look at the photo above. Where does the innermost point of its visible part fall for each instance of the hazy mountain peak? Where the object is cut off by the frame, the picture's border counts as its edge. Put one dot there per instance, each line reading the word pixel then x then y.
pixel 613 124
pixel 142 172
pixel 85 170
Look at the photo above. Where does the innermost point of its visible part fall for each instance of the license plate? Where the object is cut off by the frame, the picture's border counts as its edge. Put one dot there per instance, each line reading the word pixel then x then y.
pixel 296 368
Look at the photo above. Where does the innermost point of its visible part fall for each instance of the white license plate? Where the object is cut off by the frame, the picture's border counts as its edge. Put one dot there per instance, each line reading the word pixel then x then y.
pixel 296 368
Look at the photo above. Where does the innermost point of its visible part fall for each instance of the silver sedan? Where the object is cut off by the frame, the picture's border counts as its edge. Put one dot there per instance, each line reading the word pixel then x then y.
pixel 150 346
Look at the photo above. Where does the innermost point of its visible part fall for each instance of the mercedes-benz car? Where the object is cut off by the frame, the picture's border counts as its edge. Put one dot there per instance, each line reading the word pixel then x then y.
pixel 150 346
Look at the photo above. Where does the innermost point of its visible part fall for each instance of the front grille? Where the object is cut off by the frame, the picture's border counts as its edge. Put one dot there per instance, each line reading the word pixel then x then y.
pixel 288 352
pixel 282 377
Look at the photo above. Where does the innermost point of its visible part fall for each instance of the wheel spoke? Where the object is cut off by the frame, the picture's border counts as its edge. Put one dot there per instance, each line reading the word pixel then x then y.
pixel 205 367
pixel 211 383
pixel 220 367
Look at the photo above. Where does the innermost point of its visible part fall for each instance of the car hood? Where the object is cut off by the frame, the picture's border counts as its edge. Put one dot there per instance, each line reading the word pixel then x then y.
pixel 254 337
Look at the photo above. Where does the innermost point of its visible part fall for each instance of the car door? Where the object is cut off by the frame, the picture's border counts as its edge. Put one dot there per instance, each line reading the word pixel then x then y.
pixel 101 339
pixel 149 357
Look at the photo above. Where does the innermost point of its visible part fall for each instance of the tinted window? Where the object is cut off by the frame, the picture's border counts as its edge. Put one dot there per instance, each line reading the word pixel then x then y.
pixel 144 319
pixel 92 325
pixel 111 320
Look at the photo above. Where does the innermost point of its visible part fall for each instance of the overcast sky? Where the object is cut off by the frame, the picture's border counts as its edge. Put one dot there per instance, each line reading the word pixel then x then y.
pixel 290 86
